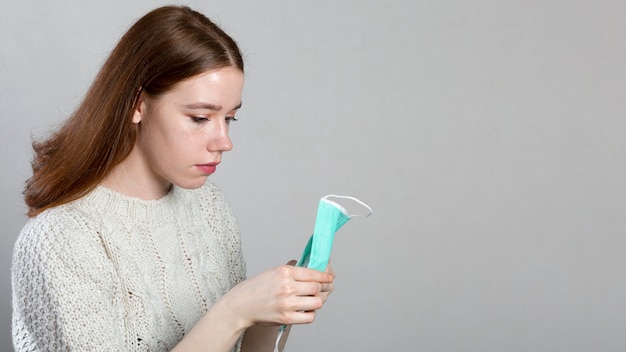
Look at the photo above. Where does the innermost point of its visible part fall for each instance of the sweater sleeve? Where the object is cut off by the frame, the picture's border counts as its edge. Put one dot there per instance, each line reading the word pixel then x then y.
pixel 65 290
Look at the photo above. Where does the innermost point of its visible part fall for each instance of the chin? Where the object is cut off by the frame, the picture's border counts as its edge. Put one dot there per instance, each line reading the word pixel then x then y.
pixel 192 184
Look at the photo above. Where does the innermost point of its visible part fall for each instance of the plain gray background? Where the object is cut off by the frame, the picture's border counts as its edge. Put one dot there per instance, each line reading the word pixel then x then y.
pixel 488 136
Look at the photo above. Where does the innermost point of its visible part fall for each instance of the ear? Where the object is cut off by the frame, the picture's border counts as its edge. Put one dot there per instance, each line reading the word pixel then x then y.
pixel 140 107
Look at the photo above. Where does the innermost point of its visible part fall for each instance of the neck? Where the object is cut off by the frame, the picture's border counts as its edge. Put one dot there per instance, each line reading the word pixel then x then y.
pixel 132 177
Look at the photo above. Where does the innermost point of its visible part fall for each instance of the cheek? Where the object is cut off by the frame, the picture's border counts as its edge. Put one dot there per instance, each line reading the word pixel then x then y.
pixel 169 142
pixel 181 146
pixel 159 131
pixel 156 143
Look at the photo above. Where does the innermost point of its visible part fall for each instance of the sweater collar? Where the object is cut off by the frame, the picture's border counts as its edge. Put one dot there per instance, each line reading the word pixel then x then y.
pixel 109 201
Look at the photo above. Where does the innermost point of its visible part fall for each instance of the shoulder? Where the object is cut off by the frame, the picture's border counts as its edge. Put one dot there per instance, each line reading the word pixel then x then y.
pixel 53 222
pixel 57 232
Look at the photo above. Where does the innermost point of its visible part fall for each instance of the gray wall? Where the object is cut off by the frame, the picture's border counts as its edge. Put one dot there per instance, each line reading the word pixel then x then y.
pixel 488 136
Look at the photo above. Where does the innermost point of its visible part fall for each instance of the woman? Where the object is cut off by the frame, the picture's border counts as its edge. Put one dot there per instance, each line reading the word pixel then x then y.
pixel 128 247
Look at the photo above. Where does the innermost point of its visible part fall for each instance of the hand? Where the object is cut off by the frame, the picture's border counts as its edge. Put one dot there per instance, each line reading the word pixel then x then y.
pixel 283 295
pixel 327 287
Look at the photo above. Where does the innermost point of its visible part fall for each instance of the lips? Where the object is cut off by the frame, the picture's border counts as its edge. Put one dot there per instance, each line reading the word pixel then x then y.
pixel 207 168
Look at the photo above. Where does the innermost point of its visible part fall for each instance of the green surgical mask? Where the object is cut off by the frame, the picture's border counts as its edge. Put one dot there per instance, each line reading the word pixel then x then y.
pixel 331 216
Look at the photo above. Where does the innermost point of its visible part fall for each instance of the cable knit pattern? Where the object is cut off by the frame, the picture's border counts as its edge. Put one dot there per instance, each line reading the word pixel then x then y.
pixel 110 272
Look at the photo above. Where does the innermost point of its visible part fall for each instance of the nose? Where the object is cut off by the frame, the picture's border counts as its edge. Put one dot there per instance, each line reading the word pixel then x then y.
pixel 219 141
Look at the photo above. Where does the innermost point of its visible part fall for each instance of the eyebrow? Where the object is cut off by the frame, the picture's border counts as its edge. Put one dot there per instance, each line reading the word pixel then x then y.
pixel 207 106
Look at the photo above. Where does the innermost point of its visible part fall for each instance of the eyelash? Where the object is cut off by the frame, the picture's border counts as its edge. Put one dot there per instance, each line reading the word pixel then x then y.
pixel 197 119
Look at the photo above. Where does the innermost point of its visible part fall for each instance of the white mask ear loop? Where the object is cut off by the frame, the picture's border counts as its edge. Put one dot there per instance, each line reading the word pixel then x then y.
pixel 352 199
pixel 280 334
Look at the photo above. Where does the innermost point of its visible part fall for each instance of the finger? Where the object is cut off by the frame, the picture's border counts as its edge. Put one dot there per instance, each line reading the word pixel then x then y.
pixel 302 317
pixel 308 303
pixel 329 269
pixel 327 288
pixel 306 274
pixel 301 289
pixel 309 288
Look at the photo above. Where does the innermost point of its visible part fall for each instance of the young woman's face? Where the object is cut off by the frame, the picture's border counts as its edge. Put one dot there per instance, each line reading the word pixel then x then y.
pixel 182 134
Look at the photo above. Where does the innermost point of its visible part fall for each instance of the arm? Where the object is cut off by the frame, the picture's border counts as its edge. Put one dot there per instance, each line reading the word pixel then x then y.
pixel 217 330
pixel 257 306
pixel 284 295
pixel 263 338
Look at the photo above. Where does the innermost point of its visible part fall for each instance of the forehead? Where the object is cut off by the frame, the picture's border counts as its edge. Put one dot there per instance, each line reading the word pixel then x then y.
pixel 222 86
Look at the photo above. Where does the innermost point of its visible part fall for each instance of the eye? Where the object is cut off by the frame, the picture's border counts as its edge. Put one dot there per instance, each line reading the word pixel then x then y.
pixel 199 119
pixel 230 119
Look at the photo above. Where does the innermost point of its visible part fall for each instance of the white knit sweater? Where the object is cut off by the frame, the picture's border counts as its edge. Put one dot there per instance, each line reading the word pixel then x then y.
pixel 110 272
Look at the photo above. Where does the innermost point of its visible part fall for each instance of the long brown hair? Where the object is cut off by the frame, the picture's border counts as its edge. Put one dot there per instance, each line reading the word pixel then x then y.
pixel 162 48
